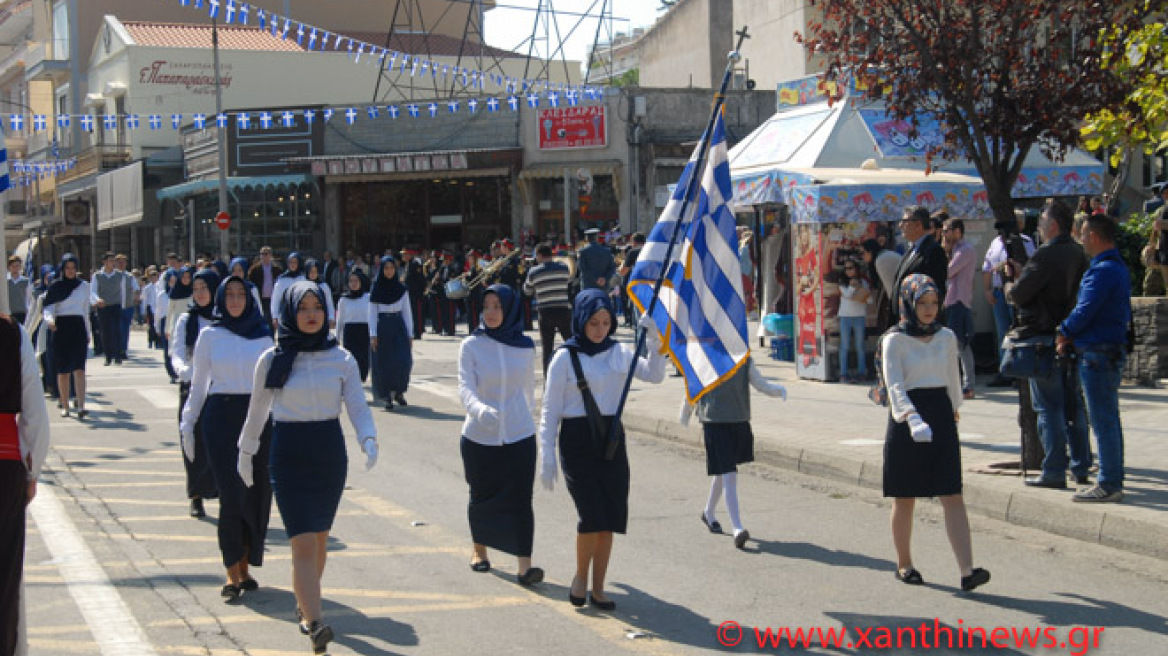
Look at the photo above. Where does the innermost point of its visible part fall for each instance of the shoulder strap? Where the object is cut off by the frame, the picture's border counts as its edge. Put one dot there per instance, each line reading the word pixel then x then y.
pixel 593 410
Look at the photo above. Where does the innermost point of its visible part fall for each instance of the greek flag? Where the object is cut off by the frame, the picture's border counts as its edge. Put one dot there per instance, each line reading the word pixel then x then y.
pixel 701 312
pixel 4 180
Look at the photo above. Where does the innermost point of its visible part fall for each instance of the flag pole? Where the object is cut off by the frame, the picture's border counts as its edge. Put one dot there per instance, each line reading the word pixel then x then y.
pixel 690 192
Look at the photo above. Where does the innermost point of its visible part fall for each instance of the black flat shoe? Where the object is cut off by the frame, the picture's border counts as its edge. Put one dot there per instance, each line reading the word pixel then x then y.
pixel 576 601
pixel 197 510
pixel 714 526
pixel 741 538
pixel 481 566
pixel 401 399
pixel 82 413
pixel 230 593
pixel 977 578
pixel 250 585
pixel 532 576
pixel 910 576
pixel 602 605
pixel 320 634
pixel 1039 481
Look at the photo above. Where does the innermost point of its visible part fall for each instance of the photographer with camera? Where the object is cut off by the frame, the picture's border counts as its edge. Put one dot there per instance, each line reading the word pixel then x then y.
pixel 1010 244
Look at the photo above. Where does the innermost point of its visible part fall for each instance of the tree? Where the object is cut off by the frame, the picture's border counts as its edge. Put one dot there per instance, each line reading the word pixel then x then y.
pixel 1000 76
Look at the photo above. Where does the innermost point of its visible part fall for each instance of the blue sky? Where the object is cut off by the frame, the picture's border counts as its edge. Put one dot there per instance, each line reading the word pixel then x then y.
pixel 508 28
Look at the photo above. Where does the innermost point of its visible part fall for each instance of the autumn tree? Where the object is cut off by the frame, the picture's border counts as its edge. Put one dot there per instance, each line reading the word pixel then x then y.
pixel 1002 77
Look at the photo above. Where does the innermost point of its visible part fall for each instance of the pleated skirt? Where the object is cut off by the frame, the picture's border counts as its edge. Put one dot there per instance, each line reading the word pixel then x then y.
pixel 200 476
pixel 501 479
pixel 392 361
pixel 727 446
pixel 355 339
pixel 923 469
pixel 243 512
pixel 599 487
pixel 308 468
pixel 70 344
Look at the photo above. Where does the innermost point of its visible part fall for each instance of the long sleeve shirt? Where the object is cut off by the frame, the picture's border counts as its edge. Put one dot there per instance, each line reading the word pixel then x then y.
pixel 149 297
pixel 223 363
pixel 352 311
pixel 605 373
pixel 1103 309
pixel 497 386
pixel 548 282
pixel 962 263
pixel 32 426
pixel 282 283
pixel 402 307
pixel 75 305
pixel 317 385
pixel 912 363
pixel 182 358
pixel 110 288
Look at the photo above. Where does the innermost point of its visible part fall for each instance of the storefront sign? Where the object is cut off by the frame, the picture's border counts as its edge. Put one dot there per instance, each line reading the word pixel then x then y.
pixel 192 77
pixel 573 127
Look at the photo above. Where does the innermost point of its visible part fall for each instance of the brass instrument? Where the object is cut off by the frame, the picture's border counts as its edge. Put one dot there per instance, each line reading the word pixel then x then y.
pixel 488 271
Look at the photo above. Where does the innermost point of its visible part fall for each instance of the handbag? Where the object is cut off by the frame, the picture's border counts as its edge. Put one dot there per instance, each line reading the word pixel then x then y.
pixel 1033 357
pixel 604 445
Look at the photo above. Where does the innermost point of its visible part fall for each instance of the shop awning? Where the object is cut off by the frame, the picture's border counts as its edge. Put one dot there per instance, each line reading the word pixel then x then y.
pixel 119 197
pixel 197 187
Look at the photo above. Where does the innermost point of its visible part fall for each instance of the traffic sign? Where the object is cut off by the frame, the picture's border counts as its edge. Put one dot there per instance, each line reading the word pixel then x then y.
pixel 223 220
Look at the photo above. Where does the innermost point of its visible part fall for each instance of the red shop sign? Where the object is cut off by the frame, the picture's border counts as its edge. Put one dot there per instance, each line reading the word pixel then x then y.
pixel 573 127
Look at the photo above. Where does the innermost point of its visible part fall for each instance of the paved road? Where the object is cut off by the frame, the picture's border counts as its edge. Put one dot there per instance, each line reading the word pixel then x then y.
pixel 114 566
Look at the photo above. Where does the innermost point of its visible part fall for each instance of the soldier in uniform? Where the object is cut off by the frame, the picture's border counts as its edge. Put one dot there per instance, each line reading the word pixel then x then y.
pixel 432 269
pixel 446 305
pixel 474 298
pixel 416 286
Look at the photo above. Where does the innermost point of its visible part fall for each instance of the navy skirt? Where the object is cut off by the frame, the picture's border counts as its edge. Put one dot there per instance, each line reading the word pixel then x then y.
pixel 308 468
pixel 392 361
pixel 923 469
pixel 727 446
pixel 70 344
pixel 243 512
pixel 599 487
pixel 355 339
pixel 501 479
pixel 200 476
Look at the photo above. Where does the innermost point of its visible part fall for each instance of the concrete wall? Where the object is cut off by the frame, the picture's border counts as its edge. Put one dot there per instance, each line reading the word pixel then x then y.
pixel 1148 361
pixel 772 55
pixel 687 46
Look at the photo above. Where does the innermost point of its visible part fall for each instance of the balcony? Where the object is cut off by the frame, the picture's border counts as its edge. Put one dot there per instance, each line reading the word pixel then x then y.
pixel 39 67
pixel 15 20
pixel 96 160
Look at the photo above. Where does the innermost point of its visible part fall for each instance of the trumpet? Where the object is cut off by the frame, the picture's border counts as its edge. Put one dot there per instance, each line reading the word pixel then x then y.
pixel 487 272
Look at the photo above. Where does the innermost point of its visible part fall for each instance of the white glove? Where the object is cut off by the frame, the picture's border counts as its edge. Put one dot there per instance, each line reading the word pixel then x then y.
pixel 244 467
pixel 489 418
pixel 920 430
pixel 686 412
pixel 548 471
pixel 778 390
pixel 188 445
pixel 652 335
pixel 369 446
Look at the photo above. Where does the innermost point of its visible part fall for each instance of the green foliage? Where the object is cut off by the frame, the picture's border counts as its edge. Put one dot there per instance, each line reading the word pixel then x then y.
pixel 1133 236
pixel 1141 121
pixel 629 78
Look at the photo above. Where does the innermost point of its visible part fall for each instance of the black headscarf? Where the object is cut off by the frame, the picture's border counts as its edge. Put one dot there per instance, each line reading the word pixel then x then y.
pixel 241 261
pixel 211 279
pixel 911 291
pixel 349 293
pixel 62 287
pixel 387 291
pixel 288 272
pixel 220 268
pixel 588 303
pixel 292 341
pixel 311 265
pixel 510 332
pixel 250 324
pixel 181 291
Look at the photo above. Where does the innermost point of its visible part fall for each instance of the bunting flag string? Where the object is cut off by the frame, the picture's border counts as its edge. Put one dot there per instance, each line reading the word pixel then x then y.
pixel 23 173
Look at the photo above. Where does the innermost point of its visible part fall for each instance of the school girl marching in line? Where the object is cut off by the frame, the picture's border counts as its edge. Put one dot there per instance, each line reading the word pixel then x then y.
pixel 293 274
pixel 353 319
pixel 391 327
pixel 66 312
pixel 301 384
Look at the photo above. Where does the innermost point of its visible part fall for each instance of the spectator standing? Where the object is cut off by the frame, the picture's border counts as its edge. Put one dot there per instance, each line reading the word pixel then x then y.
pixel 548 282
pixel 882 264
pixel 263 275
pixel 595 264
pixel 18 287
pixel 1097 331
pixel 1158 244
pixel 996 274
pixel 853 319
pixel 959 297
pixel 924 254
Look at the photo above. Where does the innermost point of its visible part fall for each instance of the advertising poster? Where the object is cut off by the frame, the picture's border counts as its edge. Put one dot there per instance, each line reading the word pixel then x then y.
pixel 573 127
pixel 809 335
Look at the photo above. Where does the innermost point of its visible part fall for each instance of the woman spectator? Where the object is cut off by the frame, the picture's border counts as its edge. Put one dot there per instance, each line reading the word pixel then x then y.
pixel 301 383
pixel 853 316
pixel 353 319
pixel 391 329
pixel 497 388
pixel 66 311
pixel 200 478
pixel 922 455
pixel 599 486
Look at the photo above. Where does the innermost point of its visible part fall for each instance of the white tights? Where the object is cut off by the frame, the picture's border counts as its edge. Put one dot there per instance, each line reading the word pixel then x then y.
pixel 727 483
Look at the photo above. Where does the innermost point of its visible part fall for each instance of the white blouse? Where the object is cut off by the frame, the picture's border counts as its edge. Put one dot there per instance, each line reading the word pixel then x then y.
pixel 402 306
pixel 316 386
pixel 180 356
pixel 223 363
pixel 32 426
pixel 352 310
pixel 281 285
pixel 605 373
pixel 149 297
pixel 496 383
pixel 911 363
pixel 75 305
pixel 175 308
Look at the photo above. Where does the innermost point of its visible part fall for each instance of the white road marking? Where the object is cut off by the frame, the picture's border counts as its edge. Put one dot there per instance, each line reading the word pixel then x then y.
pixel 114 628
pixel 863 441
pixel 163 399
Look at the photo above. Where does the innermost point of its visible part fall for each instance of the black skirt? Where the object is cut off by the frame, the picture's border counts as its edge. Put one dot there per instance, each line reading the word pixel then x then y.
pixel 727 446
pixel 392 362
pixel 501 479
pixel 599 487
pixel 243 512
pixel 923 469
pixel 200 476
pixel 70 344
pixel 308 467
pixel 355 339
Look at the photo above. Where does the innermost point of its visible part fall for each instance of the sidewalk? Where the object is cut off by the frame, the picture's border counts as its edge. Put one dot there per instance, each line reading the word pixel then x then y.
pixel 834 431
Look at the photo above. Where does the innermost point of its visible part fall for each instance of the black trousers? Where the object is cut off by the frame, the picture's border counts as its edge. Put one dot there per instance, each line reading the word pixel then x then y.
pixel 552 320
pixel 110 318
pixel 13 499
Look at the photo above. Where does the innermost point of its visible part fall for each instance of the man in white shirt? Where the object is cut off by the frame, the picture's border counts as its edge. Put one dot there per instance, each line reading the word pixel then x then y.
pixel 995 276
pixel 133 289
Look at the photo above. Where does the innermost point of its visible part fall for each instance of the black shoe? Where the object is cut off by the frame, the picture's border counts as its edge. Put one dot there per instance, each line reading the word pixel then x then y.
pixel 910 576
pixel 107 363
pixel 230 593
pixel 118 362
pixel 320 634
pixel 714 526
pixel 388 405
pixel 602 605
pixel 532 576
pixel 741 538
pixel 481 566
pixel 197 508
pixel 576 601
pixel 978 578
pixel 82 413
pixel 1082 480
pixel 400 398
pixel 1039 481
pixel 250 585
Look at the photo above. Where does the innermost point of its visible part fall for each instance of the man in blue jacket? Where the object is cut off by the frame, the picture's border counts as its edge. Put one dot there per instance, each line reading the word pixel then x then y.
pixel 1097 330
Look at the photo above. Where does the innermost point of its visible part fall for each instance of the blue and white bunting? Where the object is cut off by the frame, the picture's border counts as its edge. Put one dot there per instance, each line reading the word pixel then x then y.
pixel 200 121
pixel 311 38
pixel 513 103
pixel 300 35
pixel 371 111
pixel 472 105
pixel 533 100
pixel 132 122
pixel 288 119
pixel 287 26
pixel 433 109
pixel 214 9
pixel 262 17
pixel 492 105
pixel 230 17
pixel 110 121
pixel 155 122
pixel 63 121
pixel 393 111
pixel 243 10
pixel 412 110
pixel 176 121
pixel 87 122
pixel 350 115
pixel 16 122
pixel 40 123
pixel 327 115
pixel 5 181
pixel 453 106
pixel 309 116
pixel 221 121
pixel 243 120
pixel 265 120
pixel 553 99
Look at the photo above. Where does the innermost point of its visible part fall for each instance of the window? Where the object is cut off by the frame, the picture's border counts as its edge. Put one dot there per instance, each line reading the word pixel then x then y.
pixel 61 49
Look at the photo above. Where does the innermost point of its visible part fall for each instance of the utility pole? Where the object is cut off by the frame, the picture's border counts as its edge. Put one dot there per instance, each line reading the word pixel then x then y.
pixel 222 138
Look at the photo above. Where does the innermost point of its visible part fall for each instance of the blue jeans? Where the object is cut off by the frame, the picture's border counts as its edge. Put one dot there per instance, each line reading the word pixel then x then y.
pixel 852 328
pixel 1003 317
pixel 1050 396
pixel 1100 370
pixel 959 319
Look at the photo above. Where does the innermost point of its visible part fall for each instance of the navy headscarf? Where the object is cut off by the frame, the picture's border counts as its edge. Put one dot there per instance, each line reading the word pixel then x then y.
pixel 181 291
pixel 45 279
pixel 387 291
pixel 211 279
pixel 292 341
pixel 349 293
pixel 250 324
pixel 311 265
pixel 289 273
pixel 510 332
pixel 911 290
pixel 62 287
pixel 588 303
pixel 242 262
pixel 220 268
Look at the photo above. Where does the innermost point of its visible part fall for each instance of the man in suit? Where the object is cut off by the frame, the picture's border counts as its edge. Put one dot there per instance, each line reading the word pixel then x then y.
pixel 263 275
pixel 924 254
pixel 595 264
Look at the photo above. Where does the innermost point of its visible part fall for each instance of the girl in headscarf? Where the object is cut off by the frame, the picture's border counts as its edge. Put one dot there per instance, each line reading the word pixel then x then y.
pixel 315 273
pixel 224 363
pixel 353 319
pixel 922 455
pixel 179 301
pixel 66 312
pixel 301 383
pixel 391 329
pixel 238 268
pixel 200 478
pixel 497 388
pixel 599 487
pixel 290 276
pixel 38 329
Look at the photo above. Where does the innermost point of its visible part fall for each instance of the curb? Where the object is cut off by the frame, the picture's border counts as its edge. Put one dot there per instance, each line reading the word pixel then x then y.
pixel 1063 517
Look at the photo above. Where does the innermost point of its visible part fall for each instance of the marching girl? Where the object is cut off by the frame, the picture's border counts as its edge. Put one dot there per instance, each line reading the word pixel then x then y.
pixel 301 383
pixel 66 312
pixel 223 368
pixel 353 319
pixel 314 272
pixel 292 274
pixel 599 487
pixel 38 329
pixel 390 335
pixel 238 268
pixel 200 478
pixel 496 385
pixel 178 300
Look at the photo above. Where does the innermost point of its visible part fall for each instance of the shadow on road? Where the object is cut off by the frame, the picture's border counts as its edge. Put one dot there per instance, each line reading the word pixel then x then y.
pixel 819 554
pixel 355 630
